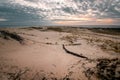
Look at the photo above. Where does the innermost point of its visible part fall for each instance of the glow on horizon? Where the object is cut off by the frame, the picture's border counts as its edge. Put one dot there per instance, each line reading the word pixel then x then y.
pixel 87 21
pixel 60 12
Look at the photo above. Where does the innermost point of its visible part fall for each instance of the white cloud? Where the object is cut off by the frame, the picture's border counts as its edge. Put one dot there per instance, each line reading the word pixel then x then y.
pixel 69 9
pixel 2 19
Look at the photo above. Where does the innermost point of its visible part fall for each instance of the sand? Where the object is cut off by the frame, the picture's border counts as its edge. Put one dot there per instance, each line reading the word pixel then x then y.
pixel 42 52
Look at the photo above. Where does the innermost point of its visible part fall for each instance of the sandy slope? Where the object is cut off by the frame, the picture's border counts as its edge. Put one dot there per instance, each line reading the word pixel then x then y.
pixel 43 51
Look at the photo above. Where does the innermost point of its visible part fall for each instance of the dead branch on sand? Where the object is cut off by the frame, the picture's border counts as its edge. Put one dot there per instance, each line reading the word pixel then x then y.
pixel 74 54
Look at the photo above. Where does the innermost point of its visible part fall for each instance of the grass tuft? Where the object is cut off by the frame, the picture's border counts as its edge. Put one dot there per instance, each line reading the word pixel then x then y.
pixel 7 35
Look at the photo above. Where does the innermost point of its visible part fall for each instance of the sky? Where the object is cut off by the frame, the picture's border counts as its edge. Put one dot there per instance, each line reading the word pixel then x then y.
pixel 59 12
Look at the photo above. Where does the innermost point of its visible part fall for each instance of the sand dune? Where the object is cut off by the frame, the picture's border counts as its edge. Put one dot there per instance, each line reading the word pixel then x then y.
pixel 42 53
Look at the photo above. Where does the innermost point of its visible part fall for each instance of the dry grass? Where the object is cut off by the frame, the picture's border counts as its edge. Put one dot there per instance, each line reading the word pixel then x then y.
pixel 108 69
pixel 11 35
pixel 55 29
pixel 110 31
pixel 12 72
pixel 104 44
pixel 105 69
pixel 70 38
pixel 110 45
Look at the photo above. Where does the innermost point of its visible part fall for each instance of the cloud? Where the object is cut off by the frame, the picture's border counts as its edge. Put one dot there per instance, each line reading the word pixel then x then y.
pixel 21 15
pixel 2 19
pixel 56 11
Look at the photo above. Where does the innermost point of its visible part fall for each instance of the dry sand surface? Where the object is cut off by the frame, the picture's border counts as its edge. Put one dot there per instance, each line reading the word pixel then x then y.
pixel 39 54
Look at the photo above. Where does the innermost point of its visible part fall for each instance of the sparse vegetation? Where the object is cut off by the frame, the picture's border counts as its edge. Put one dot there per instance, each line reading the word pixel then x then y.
pixel 88 66
pixel 108 69
pixel 70 38
pixel 111 46
pixel 105 69
pixel 55 29
pixel 7 35
pixel 104 44
pixel 9 72
pixel 111 31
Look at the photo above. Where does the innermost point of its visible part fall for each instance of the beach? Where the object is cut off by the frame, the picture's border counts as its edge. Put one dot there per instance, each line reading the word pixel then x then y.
pixel 58 53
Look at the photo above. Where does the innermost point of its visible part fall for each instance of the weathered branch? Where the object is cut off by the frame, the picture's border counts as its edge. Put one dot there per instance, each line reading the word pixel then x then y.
pixel 72 53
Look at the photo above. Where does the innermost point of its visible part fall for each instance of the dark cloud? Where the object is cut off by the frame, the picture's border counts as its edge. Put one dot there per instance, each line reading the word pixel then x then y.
pixel 69 10
pixel 20 15
pixel 101 6
pixel 44 12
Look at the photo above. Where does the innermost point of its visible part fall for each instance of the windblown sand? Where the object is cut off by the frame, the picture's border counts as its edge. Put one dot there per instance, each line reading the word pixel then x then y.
pixel 42 51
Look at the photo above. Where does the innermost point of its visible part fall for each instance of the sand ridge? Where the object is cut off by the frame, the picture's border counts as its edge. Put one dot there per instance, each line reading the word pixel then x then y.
pixel 43 51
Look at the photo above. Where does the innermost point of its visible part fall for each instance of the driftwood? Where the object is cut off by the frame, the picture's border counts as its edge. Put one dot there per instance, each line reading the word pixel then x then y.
pixel 72 53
